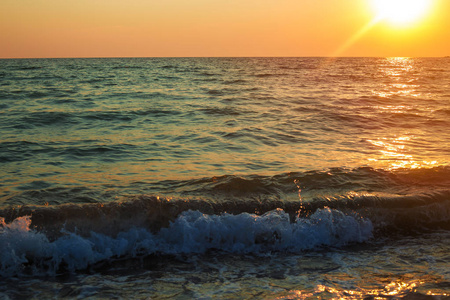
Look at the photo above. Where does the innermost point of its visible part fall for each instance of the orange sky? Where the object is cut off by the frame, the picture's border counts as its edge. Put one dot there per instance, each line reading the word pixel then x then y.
pixel 152 28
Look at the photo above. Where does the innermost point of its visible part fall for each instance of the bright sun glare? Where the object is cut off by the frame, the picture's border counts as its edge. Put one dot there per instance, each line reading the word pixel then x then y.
pixel 400 12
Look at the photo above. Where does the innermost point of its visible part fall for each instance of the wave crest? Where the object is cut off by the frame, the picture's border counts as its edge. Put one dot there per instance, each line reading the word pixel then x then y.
pixel 27 250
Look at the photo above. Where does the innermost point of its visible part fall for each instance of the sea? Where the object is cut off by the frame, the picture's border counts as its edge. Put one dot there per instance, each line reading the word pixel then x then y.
pixel 225 178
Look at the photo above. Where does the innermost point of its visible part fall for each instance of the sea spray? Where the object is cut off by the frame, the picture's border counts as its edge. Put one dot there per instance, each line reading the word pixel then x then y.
pixel 26 250
pixel 88 145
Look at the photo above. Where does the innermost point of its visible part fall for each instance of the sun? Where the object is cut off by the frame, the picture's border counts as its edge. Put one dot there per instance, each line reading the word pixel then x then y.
pixel 401 12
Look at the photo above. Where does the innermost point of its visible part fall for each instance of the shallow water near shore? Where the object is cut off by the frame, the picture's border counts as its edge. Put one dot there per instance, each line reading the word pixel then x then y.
pixel 401 269
pixel 289 178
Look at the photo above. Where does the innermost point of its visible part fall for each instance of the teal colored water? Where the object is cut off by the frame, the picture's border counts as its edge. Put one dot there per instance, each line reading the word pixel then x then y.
pixel 320 168
pixel 110 123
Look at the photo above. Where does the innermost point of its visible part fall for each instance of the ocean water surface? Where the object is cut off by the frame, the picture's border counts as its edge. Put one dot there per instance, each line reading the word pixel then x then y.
pixel 266 178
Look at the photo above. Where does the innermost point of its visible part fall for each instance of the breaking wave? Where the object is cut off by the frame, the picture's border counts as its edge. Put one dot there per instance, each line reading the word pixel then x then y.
pixel 70 237
pixel 26 250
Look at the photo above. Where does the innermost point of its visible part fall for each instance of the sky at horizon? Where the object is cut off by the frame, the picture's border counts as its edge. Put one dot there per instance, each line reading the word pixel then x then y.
pixel 180 28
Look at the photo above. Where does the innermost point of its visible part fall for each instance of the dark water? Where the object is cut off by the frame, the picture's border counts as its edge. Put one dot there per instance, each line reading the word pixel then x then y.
pixel 225 178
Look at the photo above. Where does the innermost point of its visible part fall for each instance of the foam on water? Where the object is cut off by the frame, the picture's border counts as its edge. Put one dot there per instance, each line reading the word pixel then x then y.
pixel 25 250
pixel 126 160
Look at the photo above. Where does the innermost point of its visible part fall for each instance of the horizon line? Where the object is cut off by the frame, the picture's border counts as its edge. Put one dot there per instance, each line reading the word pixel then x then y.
pixel 311 56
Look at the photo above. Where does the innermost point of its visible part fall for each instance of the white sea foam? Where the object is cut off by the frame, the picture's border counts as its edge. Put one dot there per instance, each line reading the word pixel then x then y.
pixel 24 249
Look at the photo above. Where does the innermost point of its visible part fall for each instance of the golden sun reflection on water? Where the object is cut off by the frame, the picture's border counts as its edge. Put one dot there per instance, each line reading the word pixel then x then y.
pixel 396 148
pixel 401 74
pixel 395 151
pixel 390 290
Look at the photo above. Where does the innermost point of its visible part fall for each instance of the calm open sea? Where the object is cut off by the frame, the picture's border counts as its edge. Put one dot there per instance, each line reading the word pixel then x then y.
pixel 286 178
